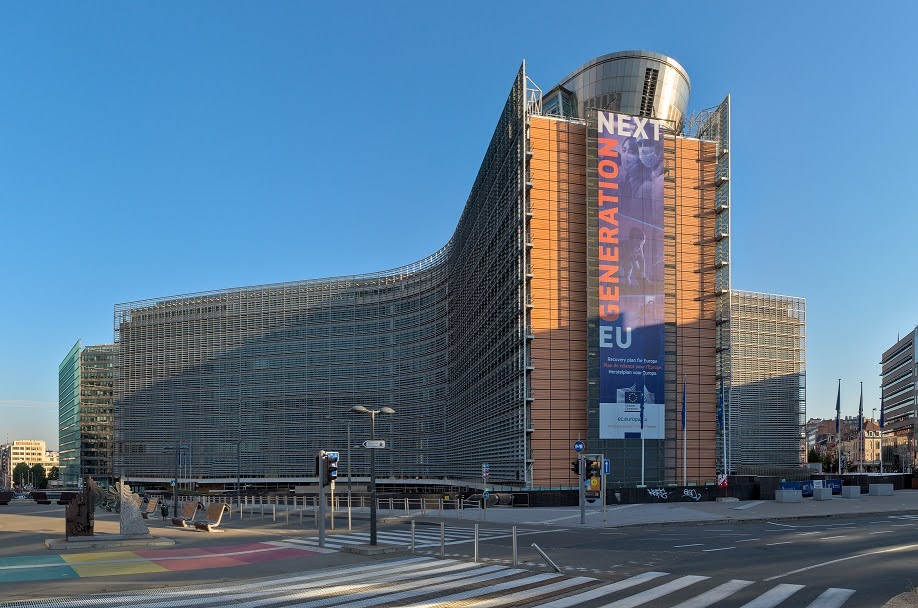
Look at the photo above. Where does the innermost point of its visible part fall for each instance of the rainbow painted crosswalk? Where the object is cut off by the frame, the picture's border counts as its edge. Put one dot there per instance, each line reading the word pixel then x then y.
pixel 114 563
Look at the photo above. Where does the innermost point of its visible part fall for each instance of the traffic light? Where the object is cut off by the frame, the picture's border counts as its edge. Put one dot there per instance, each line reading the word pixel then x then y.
pixel 575 466
pixel 594 468
pixel 331 467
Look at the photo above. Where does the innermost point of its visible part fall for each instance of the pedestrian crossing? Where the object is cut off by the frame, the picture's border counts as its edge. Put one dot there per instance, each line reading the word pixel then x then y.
pixel 425 537
pixel 423 582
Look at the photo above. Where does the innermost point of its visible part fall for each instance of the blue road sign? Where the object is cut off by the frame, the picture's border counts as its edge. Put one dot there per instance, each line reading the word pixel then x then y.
pixel 606 466
pixel 485 467
pixel 579 446
pixel 486 495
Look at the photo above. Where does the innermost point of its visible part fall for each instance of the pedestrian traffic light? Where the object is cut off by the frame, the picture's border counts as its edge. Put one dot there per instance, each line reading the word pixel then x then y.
pixel 331 467
pixel 575 466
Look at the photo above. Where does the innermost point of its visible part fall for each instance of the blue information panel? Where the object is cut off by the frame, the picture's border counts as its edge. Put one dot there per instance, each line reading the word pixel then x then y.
pixel 630 276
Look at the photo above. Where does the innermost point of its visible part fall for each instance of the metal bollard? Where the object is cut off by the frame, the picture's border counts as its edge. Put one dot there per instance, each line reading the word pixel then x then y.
pixel 476 544
pixel 516 560
pixel 546 558
pixel 274 513
pixel 391 505
pixel 303 508
pixel 442 540
pixel 459 507
pixel 440 506
pixel 406 506
pixel 349 512
pixel 412 537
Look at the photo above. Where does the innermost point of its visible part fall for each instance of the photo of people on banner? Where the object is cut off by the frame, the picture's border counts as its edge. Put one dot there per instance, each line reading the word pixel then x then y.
pixel 630 210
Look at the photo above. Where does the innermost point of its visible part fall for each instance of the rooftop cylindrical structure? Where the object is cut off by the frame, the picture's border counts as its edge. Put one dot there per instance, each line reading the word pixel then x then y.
pixel 641 83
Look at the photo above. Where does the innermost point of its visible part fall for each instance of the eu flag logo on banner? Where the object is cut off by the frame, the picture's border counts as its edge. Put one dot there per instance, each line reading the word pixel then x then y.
pixel 632 396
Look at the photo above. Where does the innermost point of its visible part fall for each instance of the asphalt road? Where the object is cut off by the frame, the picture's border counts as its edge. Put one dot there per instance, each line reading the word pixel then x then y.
pixel 875 556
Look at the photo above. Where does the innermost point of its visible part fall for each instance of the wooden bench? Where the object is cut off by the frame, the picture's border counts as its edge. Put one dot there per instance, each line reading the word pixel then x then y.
pixel 41 498
pixel 189 513
pixel 66 497
pixel 150 508
pixel 212 517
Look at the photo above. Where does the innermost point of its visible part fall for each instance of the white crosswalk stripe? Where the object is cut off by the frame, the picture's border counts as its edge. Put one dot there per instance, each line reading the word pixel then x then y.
pixel 423 538
pixel 424 582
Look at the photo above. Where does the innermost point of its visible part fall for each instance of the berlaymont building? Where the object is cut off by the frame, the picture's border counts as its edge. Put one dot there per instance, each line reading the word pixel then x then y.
pixel 585 295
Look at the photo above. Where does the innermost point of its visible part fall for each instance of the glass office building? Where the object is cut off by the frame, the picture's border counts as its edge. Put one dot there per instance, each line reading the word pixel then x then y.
pixel 899 403
pixel 766 414
pixel 488 350
pixel 85 388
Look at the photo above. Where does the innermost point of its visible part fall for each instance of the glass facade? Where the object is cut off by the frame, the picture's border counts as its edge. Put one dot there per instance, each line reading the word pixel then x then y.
pixel 68 398
pixel 767 396
pixel 95 419
pixel 85 385
pixel 899 403
pixel 255 381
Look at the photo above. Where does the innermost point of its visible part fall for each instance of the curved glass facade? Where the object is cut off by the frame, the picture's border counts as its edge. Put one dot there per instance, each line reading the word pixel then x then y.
pixel 255 381
pixel 640 83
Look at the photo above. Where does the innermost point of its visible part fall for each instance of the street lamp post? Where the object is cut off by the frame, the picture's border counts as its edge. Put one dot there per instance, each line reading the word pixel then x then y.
pixel 372 413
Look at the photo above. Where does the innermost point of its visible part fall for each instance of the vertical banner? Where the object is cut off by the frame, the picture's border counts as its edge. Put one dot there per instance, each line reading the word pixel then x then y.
pixel 630 255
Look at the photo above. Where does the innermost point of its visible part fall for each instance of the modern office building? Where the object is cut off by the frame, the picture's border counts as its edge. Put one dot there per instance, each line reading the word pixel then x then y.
pixel 584 291
pixel 899 402
pixel 766 412
pixel 85 427
pixel 28 451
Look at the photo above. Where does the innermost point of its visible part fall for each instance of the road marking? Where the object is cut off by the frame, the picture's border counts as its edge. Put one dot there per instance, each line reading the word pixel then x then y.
pixel 844 559
pixel 787 542
pixel 748 540
pixel 580 598
pixel 720 549
pixel 883 532
pixel 754 503
pixel 897 525
pixel 774 596
pixel 771 523
pixel 656 592
pixel 714 595
pixel 832 598
pixel 520 596
pixel 806 533
pixel 831 537
pixel 692 545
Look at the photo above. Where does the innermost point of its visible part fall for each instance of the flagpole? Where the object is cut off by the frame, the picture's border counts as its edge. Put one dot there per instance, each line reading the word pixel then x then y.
pixel 882 421
pixel 642 427
pixel 838 424
pixel 684 462
pixel 860 433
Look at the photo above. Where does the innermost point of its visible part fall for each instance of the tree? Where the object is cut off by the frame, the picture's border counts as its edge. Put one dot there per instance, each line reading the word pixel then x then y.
pixel 54 473
pixel 813 456
pixel 39 477
pixel 21 474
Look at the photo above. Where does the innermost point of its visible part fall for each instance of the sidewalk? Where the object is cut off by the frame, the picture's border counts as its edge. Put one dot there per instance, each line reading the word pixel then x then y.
pixel 901 502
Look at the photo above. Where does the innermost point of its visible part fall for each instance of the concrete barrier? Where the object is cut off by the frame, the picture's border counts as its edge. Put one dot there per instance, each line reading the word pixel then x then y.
pixel 880 489
pixel 851 491
pixel 788 496
pixel 822 493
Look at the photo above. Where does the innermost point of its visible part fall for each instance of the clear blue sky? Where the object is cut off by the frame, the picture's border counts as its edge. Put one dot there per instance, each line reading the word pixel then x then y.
pixel 153 149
